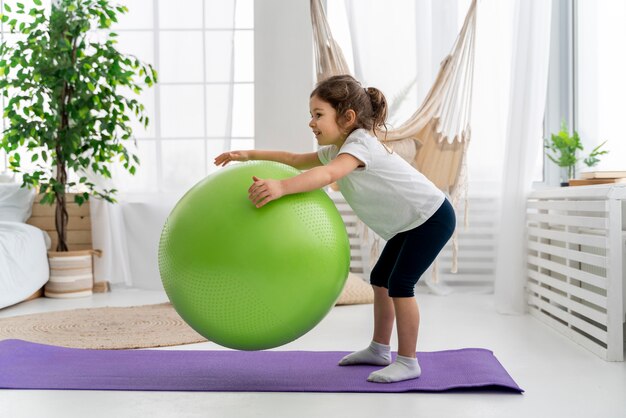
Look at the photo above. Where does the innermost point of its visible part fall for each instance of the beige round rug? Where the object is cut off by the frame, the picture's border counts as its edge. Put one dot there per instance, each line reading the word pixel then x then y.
pixel 115 328
pixel 103 328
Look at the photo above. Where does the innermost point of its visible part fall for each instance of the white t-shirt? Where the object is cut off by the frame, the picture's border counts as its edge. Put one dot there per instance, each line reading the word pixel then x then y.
pixel 388 194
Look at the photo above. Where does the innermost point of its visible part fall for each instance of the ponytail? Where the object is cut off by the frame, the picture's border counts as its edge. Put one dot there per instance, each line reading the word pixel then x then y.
pixel 379 109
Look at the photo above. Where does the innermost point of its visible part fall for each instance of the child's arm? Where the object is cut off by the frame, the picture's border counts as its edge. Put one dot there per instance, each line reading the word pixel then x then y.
pixel 264 191
pixel 299 161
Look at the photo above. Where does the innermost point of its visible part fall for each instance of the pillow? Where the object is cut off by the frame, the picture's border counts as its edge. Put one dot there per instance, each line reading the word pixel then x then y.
pixel 16 203
pixel 356 291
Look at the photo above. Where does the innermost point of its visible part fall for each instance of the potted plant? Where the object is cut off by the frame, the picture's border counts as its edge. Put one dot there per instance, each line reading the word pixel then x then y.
pixel 65 106
pixel 564 148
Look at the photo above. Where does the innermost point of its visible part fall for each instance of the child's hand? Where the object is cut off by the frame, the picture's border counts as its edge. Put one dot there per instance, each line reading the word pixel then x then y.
pixel 264 191
pixel 227 157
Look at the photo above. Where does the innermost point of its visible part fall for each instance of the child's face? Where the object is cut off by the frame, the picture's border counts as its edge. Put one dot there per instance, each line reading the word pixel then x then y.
pixel 324 123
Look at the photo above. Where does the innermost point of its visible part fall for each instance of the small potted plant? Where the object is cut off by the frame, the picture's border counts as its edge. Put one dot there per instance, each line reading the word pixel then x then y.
pixel 564 148
pixel 65 106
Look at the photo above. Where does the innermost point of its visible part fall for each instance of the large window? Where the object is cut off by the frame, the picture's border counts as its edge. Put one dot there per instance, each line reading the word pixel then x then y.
pixel 587 87
pixel 203 104
pixel 600 82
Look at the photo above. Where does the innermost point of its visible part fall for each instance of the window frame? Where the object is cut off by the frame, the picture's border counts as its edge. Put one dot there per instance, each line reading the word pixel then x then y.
pixel 561 103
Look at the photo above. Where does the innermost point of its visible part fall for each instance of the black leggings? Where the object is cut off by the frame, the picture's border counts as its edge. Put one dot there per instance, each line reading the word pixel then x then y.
pixel 408 254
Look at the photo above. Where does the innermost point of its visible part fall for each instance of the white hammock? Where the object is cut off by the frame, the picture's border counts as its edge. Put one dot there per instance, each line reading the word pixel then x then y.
pixel 435 138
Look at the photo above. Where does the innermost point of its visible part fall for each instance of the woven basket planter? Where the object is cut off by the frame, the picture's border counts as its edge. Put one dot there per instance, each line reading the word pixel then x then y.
pixel 71 274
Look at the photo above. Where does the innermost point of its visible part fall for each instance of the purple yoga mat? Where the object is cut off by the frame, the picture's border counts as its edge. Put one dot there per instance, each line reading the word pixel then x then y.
pixel 26 365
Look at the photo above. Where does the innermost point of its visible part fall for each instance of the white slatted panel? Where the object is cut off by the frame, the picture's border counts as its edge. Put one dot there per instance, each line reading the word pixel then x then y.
pixel 350 219
pixel 477 251
pixel 576 246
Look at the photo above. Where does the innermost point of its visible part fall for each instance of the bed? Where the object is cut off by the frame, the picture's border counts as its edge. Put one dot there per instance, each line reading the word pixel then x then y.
pixel 23 247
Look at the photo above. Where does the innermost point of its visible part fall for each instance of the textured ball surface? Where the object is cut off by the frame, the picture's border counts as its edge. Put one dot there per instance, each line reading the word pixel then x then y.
pixel 249 278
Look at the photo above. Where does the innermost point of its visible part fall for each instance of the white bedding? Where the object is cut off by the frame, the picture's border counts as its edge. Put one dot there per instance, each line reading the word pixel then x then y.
pixel 23 261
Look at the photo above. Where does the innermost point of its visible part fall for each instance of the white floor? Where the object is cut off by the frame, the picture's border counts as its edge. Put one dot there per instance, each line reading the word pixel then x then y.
pixel 561 379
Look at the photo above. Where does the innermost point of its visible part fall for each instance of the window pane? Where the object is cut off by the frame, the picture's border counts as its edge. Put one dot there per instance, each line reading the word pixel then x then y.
pixel 219 52
pixel 601 86
pixel 180 57
pixel 236 144
pixel 181 111
pixel 183 163
pixel 139 44
pixel 244 18
pixel 12 38
pixel 243 110
pixel 146 98
pixel 219 105
pixel 214 147
pixel 180 15
pixel 244 55
pixel 140 15
pixel 145 179
pixel 219 14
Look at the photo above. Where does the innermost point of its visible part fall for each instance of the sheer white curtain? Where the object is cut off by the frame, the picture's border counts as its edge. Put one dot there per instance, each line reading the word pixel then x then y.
pixel 529 78
pixel 395 47
pixel 398 47
pixel 404 41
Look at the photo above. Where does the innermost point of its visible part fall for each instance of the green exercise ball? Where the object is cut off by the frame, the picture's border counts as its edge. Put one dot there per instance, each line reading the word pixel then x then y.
pixel 252 278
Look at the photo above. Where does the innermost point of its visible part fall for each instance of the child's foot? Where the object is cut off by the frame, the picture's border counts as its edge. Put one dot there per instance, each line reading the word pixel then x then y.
pixel 376 354
pixel 404 368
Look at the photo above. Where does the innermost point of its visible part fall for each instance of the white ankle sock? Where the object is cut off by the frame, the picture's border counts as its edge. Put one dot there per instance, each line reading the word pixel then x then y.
pixel 404 368
pixel 376 354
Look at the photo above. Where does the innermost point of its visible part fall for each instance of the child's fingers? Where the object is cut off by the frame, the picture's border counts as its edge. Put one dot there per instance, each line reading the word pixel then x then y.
pixel 260 192
pixel 262 198
pixel 257 182
pixel 222 159
pixel 253 189
pixel 257 193
pixel 263 202
pixel 228 157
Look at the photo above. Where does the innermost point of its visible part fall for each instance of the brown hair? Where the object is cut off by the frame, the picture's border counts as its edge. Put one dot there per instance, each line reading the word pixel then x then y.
pixel 344 92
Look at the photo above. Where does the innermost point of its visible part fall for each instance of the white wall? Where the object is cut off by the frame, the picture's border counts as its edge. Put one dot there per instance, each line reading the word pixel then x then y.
pixel 283 75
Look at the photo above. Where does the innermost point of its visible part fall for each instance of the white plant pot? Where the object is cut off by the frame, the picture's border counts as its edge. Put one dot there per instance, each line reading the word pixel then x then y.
pixel 71 274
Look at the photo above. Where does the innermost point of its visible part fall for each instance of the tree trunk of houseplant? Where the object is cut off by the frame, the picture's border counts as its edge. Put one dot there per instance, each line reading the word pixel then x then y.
pixel 61 217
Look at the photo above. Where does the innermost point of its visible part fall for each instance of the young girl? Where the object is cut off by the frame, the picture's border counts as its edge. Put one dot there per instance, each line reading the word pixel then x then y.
pixel 386 193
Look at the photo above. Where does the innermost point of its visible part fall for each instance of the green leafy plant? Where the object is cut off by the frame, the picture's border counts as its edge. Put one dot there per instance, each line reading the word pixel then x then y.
pixel 593 159
pixel 65 103
pixel 564 148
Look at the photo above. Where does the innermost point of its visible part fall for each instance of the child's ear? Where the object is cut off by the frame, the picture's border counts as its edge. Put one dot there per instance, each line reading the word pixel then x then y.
pixel 350 117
